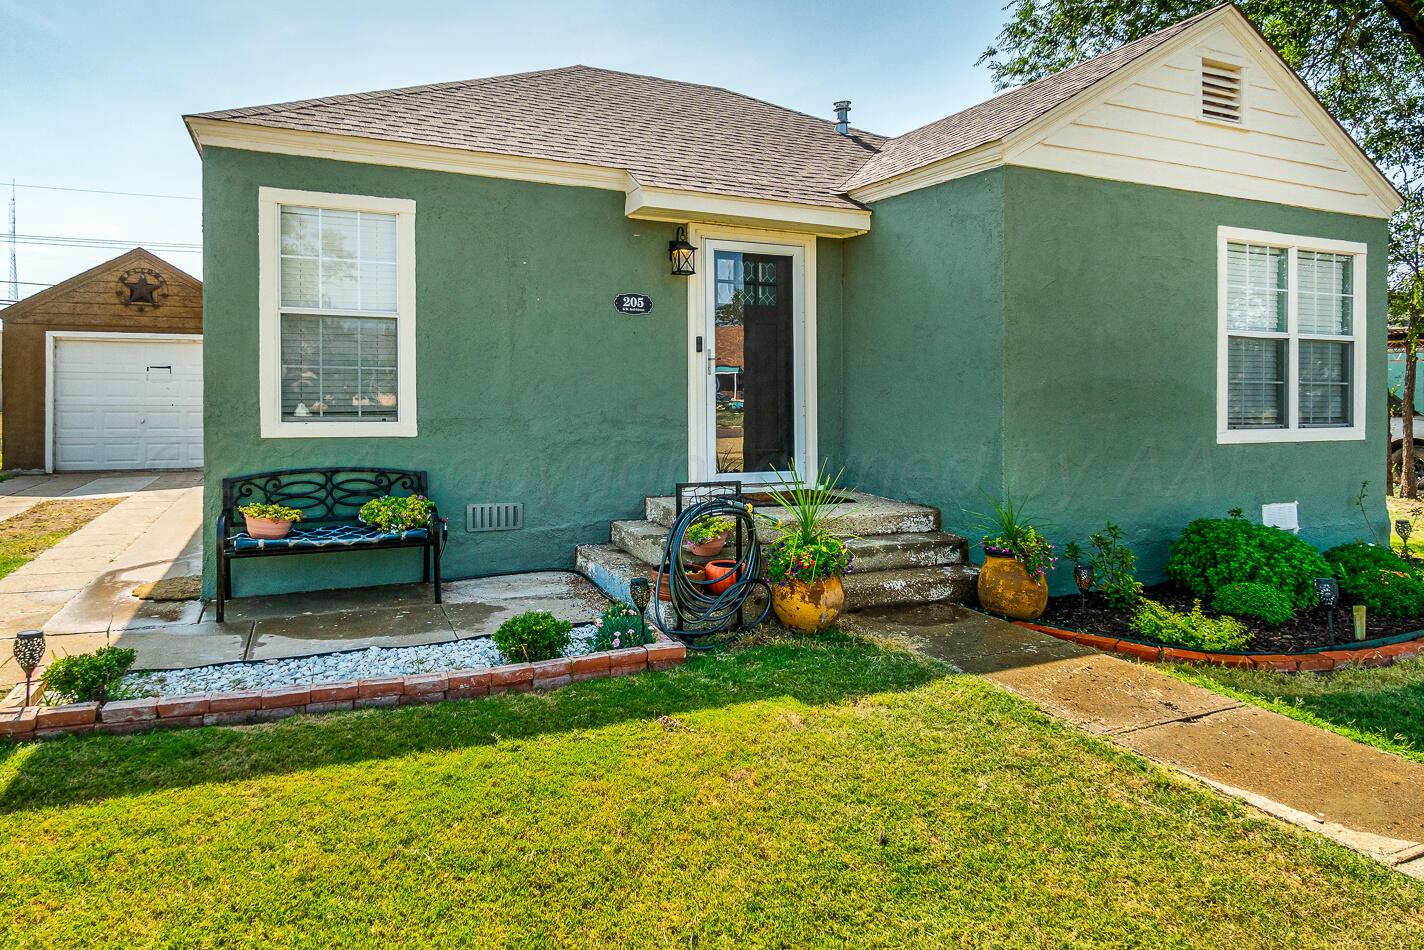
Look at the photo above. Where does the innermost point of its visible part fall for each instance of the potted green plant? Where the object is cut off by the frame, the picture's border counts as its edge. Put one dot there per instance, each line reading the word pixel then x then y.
pixel 1017 558
pixel 706 537
pixel 269 522
pixel 805 565
pixel 392 514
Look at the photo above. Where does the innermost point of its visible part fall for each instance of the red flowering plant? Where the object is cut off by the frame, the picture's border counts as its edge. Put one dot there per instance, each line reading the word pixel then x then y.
pixel 808 551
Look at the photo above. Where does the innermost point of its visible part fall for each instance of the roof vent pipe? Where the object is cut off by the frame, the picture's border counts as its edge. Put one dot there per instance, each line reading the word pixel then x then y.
pixel 842 116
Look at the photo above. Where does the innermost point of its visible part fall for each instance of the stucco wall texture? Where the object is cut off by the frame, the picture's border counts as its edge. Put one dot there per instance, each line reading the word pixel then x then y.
pixel 1043 334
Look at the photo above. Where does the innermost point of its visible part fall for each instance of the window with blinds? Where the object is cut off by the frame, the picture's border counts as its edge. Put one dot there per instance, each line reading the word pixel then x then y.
pixel 338 317
pixel 1221 92
pixel 1291 346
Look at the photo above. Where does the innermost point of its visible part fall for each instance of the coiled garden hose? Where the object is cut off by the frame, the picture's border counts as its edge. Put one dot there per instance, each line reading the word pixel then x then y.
pixel 699 613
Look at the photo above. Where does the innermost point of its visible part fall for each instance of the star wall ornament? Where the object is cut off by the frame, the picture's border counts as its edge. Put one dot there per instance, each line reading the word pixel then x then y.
pixel 143 288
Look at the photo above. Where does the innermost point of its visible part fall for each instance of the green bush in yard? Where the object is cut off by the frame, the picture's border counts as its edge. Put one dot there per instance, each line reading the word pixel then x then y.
pixel 533 636
pixel 1192 629
pixel 89 677
pixel 1253 602
pixel 1212 553
pixel 1378 578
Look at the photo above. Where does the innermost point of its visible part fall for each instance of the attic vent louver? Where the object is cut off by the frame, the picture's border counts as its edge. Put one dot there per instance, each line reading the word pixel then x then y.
pixel 1221 91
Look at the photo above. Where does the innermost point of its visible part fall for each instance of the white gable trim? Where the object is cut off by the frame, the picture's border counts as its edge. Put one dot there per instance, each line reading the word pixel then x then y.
pixel 351 148
pixel 1023 147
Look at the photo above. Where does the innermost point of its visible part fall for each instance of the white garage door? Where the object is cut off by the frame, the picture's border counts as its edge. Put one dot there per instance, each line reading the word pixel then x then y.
pixel 127 404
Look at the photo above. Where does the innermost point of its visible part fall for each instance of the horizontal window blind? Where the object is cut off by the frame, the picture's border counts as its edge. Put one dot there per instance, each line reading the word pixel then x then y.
pixel 1256 375
pixel 343 364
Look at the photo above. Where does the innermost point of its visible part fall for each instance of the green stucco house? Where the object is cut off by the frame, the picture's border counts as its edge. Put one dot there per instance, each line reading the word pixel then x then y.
pixel 1148 288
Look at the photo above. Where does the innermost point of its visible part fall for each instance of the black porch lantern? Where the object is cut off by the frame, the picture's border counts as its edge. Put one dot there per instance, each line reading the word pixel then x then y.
pixel 1404 528
pixel 29 650
pixel 681 253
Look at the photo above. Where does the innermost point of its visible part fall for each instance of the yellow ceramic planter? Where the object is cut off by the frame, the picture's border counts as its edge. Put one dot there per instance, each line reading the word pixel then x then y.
pixel 808 608
pixel 1005 588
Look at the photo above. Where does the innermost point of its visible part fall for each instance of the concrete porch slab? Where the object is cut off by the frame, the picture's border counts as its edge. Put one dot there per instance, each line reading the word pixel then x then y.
pixel 178 647
pixel 311 603
pixel 312 633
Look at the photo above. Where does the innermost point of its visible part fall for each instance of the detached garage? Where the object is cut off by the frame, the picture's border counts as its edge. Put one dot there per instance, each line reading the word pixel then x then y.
pixel 105 370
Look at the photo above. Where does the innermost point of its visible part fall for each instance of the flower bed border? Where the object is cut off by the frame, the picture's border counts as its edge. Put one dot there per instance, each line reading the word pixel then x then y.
pixel 1381 651
pixel 244 707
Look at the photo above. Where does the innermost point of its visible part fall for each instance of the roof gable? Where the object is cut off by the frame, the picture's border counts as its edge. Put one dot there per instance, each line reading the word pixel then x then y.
pixel 22 311
pixel 1134 114
pixel 1005 113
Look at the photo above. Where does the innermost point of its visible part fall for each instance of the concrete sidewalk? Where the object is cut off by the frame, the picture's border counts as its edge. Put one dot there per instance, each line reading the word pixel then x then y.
pixel 1363 798
pixel 152 533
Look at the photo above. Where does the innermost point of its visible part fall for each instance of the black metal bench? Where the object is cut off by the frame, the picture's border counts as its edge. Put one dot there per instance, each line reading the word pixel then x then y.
pixel 329 499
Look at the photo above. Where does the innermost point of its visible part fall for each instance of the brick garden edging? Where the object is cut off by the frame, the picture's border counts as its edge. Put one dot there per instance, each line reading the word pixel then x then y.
pixel 266 705
pixel 1319 661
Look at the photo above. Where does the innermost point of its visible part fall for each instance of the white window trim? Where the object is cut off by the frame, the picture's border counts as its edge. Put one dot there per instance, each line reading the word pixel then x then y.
pixel 1359 384
pixel 269 374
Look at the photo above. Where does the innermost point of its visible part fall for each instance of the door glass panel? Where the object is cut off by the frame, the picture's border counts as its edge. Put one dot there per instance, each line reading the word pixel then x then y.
pixel 755 407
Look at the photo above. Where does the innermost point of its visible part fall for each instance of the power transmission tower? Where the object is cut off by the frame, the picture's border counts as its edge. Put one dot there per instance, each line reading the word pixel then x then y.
pixel 14 267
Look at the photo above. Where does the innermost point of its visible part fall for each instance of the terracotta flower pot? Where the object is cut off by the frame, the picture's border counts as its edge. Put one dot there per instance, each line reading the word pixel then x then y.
pixel 722 573
pixel 267 529
pixel 709 548
pixel 808 608
pixel 1005 588
pixel 663 593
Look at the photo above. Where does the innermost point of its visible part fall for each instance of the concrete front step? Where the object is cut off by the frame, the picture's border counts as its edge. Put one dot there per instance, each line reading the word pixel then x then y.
pixel 864 516
pixel 880 552
pixel 610 567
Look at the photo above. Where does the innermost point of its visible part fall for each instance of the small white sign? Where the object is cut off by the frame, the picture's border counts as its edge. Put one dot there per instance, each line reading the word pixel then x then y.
pixel 1282 514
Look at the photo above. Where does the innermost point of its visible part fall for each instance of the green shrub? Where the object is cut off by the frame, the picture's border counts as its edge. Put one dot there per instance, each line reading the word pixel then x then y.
pixel 1214 552
pixel 1378 578
pixel 89 677
pixel 1254 602
pixel 1194 629
pixel 532 636
pixel 619 628
pixel 1113 567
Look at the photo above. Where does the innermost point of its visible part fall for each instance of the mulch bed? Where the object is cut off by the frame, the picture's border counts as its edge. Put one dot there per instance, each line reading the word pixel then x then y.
pixel 1303 633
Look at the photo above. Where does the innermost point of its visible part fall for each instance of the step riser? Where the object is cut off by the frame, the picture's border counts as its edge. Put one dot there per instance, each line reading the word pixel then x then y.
pixel 646 542
pixel 611 568
pixel 864 518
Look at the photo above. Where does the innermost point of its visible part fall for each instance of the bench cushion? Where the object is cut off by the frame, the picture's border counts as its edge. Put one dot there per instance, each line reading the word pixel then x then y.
pixel 327 536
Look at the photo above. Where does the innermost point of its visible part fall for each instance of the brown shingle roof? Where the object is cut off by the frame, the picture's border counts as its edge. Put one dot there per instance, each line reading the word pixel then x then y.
pixel 667 134
pixel 1005 113
pixel 679 135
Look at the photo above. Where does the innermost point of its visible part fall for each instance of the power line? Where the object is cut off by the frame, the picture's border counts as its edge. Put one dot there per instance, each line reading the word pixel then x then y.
pixel 100 240
pixel 100 191
pixel 56 240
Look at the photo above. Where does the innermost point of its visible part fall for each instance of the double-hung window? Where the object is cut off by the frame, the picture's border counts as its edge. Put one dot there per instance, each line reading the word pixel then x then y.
pixel 337 315
pixel 1291 352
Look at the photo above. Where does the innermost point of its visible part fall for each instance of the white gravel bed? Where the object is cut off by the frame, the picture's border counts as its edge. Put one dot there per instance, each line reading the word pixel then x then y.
pixel 472 654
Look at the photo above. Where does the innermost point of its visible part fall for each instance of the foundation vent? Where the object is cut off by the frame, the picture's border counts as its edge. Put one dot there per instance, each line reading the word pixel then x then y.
pixel 502 516
pixel 1221 92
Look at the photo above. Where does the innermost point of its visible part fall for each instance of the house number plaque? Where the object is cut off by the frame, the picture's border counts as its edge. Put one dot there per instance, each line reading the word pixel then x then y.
pixel 633 303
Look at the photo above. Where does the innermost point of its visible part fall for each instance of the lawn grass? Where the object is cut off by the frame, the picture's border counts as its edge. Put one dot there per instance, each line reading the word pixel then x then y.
pixel 25 536
pixel 791 794
pixel 1382 707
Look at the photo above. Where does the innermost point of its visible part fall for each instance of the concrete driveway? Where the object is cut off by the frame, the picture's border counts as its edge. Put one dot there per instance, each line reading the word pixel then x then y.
pixel 70 591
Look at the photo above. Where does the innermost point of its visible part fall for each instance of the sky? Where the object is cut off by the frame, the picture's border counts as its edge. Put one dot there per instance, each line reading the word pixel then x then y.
pixel 92 94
